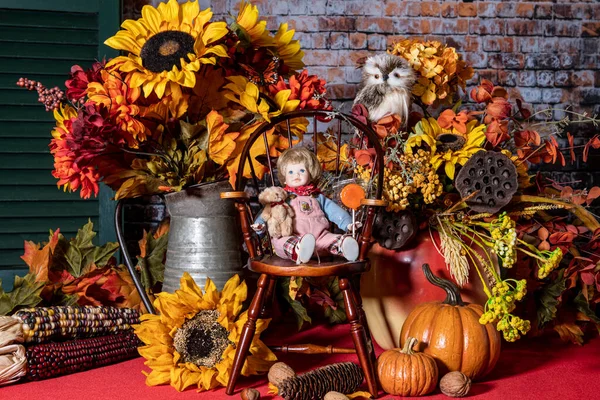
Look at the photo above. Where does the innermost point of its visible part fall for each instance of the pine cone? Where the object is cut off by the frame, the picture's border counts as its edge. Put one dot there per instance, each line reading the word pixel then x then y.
pixel 342 377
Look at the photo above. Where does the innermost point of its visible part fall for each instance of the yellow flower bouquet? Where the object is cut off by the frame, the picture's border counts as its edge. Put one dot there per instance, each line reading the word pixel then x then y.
pixel 177 107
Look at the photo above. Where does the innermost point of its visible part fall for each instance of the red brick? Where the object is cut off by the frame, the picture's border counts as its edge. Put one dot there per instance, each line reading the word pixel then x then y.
pixel 358 40
pixel 430 9
pixel 543 11
pixel 491 44
pixel 349 58
pixel 489 74
pixel 380 25
pixel 506 10
pixel 321 57
pixel 341 91
pixel 377 42
pixel 413 9
pixel 525 10
pixel 395 8
pixel 448 9
pixel 336 24
pixel 472 44
pixel 562 28
pixel 467 9
pixel 583 11
pixel 486 9
pixel 338 40
pixel 360 7
pixel 524 28
pixel 487 26
pixel 391 39
pixel 319 40
pixel 301 23
pixel 335 75
pixel 507 78
pixel 563 11
pixel 590 29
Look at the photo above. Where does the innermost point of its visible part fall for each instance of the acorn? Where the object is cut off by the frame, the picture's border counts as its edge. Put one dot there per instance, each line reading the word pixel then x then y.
pixel 279 372
pixel 455 384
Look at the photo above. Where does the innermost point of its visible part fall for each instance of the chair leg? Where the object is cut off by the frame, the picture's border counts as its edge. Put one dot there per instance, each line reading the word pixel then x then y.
pixel 363 320
pixel 362 344
pixel 248 331
pixel 268 302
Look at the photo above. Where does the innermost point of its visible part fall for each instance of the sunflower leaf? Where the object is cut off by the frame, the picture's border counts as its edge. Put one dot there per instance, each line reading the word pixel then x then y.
pixel 336 315
pixel 548 299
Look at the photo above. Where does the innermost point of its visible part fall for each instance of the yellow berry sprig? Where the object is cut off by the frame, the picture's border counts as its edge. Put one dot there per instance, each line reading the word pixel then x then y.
pixel 499 306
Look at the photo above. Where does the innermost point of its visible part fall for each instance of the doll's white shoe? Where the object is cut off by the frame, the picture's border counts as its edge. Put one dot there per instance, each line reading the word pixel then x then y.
pixel 349 248
pixel 305 248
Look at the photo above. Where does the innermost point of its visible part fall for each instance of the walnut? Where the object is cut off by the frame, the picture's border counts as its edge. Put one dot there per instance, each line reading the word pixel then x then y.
pixel 455 384
pixel 335 396
pixel 250 394
pixel 280 372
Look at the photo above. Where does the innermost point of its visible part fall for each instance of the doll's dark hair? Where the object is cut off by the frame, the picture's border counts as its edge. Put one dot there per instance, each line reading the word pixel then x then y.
pixel 297 155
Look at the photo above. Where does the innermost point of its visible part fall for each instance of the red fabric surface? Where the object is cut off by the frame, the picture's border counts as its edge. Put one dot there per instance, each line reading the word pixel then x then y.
pixel 532 369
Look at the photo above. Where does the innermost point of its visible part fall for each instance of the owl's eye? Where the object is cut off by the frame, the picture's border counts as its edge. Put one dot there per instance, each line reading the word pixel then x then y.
pixel 376 76
pixel 396 75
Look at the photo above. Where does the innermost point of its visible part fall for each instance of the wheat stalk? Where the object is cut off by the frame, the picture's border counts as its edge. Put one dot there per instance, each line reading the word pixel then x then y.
pixel 456 261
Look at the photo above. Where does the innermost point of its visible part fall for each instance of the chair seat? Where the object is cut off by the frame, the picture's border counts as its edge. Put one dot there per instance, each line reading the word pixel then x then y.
pixel 273 265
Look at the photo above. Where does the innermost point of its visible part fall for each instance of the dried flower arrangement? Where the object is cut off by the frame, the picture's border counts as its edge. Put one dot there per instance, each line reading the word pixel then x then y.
pixel 467 171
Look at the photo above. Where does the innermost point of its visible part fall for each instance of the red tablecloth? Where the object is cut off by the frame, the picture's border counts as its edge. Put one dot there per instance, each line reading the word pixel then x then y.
pixel 529 369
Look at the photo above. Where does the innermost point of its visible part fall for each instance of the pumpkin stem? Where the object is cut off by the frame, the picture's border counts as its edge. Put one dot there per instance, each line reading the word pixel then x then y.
pixel 409 346
pixel 452 292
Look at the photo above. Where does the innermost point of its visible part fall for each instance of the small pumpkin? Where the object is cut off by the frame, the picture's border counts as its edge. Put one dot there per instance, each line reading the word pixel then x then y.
pixel 450 332
pixel 405 372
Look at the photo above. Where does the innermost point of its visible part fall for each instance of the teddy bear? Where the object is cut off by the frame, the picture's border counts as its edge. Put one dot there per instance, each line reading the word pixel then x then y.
pixel 277 214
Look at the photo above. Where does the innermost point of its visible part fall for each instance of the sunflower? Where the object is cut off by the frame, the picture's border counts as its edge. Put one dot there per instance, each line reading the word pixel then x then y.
pixel 191 342
pixel 447 146
pixel 167 46
pixel 289 50
pixel 249 28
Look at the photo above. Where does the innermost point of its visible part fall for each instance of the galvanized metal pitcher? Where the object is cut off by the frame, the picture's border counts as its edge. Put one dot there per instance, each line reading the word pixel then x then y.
pixel 204 238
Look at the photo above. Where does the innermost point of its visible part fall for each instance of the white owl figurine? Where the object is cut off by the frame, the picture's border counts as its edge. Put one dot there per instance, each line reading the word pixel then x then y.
pixel 386 84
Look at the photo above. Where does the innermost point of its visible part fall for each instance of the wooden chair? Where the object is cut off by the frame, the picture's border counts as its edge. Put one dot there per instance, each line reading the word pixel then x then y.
pixel 270 266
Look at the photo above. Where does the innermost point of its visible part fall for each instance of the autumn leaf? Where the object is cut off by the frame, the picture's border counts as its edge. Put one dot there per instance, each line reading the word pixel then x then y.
pixel 570 332
pixel 151 259
pixel 335 315
pixel 38 260
pixel 25 293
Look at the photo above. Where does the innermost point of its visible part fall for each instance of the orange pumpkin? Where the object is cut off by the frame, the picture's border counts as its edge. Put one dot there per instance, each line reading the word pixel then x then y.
pixel 450 332
pixel 404 372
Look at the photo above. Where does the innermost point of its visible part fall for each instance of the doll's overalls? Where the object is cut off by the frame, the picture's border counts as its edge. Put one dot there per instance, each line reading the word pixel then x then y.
pixel 309 218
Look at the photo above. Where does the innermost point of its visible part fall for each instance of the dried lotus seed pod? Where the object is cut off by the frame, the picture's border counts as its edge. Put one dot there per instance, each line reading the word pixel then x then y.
pixel 493 176
pixel 393 230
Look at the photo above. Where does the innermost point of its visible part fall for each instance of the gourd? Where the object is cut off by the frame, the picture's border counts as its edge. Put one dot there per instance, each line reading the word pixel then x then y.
pixel 405 372
pixel 450 332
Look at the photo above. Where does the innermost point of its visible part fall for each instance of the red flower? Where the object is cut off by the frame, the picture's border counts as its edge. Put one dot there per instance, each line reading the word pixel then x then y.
pixel 309 89
pixel 77 85
pixel 483 92
pixel 527 138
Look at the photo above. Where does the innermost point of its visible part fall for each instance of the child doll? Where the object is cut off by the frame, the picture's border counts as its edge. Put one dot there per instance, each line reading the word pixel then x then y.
pixel 299 169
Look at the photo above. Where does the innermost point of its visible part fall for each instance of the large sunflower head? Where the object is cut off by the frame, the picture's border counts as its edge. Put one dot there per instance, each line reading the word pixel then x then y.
pixel 191 340
pixel 167 46
pixel 447 146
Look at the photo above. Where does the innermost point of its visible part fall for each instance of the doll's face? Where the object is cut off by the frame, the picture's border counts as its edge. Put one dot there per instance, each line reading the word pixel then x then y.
pixel 296 175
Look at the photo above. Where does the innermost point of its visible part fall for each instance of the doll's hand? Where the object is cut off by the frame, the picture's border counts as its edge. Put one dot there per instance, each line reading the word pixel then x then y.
pixel 258 228
pixel 356 225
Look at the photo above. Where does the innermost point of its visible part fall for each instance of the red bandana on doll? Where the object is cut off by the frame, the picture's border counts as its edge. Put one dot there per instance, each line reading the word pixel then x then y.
pixel 305 190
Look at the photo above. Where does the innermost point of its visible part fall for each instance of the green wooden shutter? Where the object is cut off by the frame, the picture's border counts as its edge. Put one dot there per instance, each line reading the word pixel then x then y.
pixel 41 40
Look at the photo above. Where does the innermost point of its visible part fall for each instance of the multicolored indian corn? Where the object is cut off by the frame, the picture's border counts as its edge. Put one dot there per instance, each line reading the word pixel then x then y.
pixel 45 324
